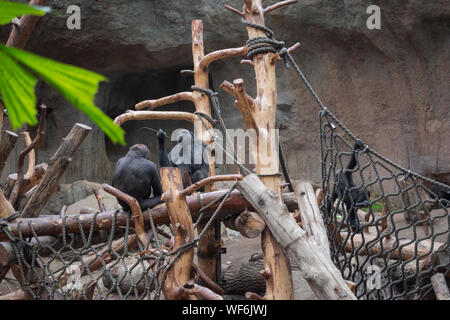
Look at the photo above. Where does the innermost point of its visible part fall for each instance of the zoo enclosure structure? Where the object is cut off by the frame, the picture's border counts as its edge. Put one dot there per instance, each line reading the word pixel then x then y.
pixel 112 254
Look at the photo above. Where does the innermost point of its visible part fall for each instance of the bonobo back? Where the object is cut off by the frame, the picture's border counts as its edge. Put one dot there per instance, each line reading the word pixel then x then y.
pixel 137 176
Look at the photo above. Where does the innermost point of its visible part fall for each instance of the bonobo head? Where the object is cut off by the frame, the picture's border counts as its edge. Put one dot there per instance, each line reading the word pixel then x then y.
pixel 358 145
pixel 139 150
pixel 184 136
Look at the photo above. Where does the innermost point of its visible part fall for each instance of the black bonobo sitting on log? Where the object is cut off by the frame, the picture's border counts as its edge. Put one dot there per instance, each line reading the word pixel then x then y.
pixel 186 155
pixel 137 176
pixel 346 190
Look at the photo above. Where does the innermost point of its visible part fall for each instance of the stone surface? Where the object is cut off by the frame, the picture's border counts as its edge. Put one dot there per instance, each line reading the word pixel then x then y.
pixel 69 194
pixel 389 86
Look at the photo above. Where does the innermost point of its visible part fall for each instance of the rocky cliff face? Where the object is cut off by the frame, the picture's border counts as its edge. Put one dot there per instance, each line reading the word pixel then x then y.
pixel 389 86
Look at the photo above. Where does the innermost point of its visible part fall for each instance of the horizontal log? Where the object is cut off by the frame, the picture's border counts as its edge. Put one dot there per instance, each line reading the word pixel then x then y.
pixel 248 223
pixel 47 245
pixel 52 225
pixel 15 295
pixel 155 115
pixel 408 248
pixel 440 287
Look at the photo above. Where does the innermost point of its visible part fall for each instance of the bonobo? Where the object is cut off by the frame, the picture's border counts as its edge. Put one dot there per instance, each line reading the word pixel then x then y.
pixel 137 176
pixel 186 155
pixel 346 190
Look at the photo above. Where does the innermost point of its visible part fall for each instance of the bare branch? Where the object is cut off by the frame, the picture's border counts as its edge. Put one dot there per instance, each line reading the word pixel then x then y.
pixel 155 115
pixel 278 5
pixel 152 104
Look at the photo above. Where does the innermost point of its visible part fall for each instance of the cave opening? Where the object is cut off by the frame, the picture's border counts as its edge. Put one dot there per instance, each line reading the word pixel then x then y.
pixel 130 88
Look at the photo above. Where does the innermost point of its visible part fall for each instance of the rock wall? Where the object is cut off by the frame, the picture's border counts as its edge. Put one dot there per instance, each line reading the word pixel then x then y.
pixel 389 86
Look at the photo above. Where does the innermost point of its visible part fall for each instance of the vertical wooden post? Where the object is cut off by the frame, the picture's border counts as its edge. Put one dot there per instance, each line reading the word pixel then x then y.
pixel 180 219
pixel 277 270
pixel 208 245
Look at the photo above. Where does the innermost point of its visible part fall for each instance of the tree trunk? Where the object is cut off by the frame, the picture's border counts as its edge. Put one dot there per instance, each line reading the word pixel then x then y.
pixel 304 247
pixel 57 166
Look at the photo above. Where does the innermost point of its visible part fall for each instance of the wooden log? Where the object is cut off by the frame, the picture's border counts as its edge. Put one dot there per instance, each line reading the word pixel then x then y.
pixel 304 247
pixel 7 143
pixel 239 279
pixel 52 225
pixel 200 184
pixel 155 103
pixel 5 207
pixel 248 223
pixel 311 217
pixel 104 257
pixel 155 115
pixel 16 191
pixel 31 154
pixel 208 245
pixel 209 283
pixel 408 249
pixel 181 221
pixel 57 166
pixel 136 211
pixel 16 295
pixel 47 246
pixel 440 287
pixel 30 180
pixel 99 198
pixel 262 111
pixel 127 279
pixel 20 34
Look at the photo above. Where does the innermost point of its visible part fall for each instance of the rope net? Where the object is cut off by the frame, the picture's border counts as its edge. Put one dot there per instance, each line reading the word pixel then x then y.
pixel 388 227
pixel 93 264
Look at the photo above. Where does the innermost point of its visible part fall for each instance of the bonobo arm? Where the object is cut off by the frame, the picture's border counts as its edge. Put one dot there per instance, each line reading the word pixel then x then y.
pixel 352 163
pixel 157 190
pixel 164 160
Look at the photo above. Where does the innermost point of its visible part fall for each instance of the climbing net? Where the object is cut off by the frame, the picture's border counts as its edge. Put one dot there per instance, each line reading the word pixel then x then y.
pixel 96 256
pixel 401 236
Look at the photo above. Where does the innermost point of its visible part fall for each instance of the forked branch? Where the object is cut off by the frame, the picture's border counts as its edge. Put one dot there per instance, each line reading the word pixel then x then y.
pixel 136 211
pixel 21 161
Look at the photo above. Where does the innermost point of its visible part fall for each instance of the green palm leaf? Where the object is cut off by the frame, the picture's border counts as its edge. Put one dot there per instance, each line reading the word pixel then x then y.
pixel 10 10
pixel 76 84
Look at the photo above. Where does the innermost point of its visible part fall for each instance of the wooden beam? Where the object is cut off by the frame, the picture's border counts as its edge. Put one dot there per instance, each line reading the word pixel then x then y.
pixel 248 223
pixel 181 221
pixel 208 245
pixel 136 211
pixel 440 287
pixel 200 184
pixel 57 165
pixel 155 103
pixel 20 34
pixel 53 225
pixel 155 115
pixel 15 193
pixel 277 267
pixel 306 248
